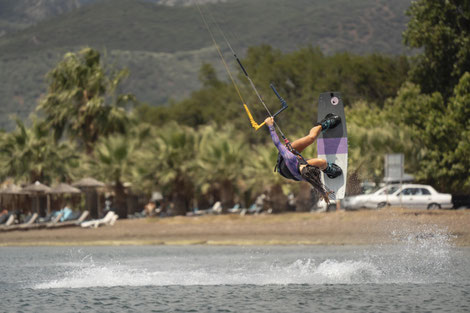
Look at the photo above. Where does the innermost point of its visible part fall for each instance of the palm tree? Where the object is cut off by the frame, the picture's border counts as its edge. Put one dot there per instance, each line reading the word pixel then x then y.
pixel 261 178
pixel 170 160
pixel 221 159
pixel 141 174
pixel 113 161
pixel 82 102
pixel 31 154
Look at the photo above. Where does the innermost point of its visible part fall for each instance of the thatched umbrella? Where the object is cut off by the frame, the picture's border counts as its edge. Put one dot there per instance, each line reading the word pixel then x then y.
pixel 13 191
pixel 156 196
pixel 89 185
pixel 39 189
pixel 63 189
pixel 88 182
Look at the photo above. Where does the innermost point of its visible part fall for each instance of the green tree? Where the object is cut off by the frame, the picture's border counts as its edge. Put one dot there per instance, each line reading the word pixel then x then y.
pixel 31 154
pixel 299 77
pixel 208 76
pixel 216 102
pixel 372 133
pixel 221 161
pixel 82 101
pixel 442 30
pixel 170 161
pixel 261 178
pixel 439 130
pixel 116 160
pixel 113 161
pixel 457 160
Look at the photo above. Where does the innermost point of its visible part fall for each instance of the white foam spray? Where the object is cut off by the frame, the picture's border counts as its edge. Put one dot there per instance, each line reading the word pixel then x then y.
pixel 420 256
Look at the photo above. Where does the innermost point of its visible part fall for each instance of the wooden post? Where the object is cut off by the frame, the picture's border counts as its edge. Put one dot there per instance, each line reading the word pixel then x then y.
pixel 48 203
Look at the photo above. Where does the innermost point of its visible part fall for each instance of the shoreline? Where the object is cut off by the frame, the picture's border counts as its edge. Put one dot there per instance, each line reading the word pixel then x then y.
pixel 102 243
pixel 386 226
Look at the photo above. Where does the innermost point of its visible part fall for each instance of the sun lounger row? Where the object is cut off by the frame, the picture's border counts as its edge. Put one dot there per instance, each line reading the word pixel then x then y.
pixel 52 221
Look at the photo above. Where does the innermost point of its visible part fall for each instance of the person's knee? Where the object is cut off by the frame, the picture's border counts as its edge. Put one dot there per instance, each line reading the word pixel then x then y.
pixel 323 164
pixel 314 132
pixel 320 163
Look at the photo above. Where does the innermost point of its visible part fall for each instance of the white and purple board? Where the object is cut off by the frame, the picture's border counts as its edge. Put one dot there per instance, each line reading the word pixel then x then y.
pixel 332 145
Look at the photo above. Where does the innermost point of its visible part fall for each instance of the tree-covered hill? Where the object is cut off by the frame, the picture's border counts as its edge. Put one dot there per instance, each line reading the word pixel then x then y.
pixel 142 26
pixel 164 46
pixel 19 14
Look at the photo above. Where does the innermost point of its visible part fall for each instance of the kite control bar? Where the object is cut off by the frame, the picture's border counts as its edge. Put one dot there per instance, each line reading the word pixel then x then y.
pixel 283 102
pixel 284 105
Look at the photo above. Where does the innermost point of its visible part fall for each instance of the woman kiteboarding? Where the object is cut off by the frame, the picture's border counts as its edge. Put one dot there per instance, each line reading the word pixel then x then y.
pixel 291 165
pixel 290 162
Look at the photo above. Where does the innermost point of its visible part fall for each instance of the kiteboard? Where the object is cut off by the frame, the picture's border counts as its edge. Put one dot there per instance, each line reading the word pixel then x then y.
pixel 332 144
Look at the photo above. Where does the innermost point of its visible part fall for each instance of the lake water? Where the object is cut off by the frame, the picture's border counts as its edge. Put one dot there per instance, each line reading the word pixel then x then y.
pixel 423 272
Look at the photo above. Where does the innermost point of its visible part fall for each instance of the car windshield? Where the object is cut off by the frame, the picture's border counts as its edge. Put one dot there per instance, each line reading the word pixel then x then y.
pixel 388 190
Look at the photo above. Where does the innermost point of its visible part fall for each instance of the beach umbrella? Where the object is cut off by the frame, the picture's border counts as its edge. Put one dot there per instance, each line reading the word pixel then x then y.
pixel 14 191
pixel 156 196
pixel 64 188
pixel 38 189
pixel 88 182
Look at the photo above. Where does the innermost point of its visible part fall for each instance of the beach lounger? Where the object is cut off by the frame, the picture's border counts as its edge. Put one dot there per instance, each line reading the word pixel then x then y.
pixel 29 222
pixel 216 208
pixel 254 209
pixel 83 217
pixel 113 220
pixel 235 209
pixel 198 212
pixel 70 223
pixel 10 220
pixel 4 218
pixel 55 220
pixel 8 225
pixel 44 224
pixel 109 219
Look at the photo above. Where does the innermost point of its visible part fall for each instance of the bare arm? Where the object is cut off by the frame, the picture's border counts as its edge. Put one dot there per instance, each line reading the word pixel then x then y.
pixel 282 149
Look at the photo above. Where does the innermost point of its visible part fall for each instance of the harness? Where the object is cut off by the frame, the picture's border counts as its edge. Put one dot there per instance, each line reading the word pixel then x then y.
pixel 281 166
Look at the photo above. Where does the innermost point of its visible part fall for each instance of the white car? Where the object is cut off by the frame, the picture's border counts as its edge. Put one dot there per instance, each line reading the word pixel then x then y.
pixel 367 200
pixel 409 196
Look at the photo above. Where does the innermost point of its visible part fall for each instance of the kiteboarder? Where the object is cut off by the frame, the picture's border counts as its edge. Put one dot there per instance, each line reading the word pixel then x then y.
pixel 290 163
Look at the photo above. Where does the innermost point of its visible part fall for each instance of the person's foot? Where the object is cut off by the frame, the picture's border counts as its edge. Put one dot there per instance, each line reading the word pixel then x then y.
pixel 332 170
pixel 330 121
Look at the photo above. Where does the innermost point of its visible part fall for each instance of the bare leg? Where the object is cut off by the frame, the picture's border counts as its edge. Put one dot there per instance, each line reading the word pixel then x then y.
pixel 302 143
pixel 320 163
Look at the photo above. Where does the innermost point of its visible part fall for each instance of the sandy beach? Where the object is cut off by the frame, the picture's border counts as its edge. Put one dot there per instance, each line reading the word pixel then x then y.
pixel 334 228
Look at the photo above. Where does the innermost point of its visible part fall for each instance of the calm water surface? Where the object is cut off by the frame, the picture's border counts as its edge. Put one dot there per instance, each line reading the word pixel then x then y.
pixel 423 272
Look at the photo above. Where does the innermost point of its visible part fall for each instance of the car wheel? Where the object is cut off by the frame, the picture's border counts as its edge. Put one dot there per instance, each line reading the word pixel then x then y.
pixel 381 205
pixel 434 206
